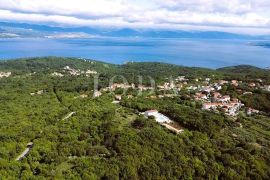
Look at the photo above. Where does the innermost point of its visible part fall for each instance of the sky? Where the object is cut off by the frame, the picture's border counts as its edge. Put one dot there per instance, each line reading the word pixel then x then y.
pixel 236 16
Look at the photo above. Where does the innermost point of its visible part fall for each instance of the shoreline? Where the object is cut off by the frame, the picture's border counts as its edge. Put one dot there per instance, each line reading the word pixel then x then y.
pixel 126 62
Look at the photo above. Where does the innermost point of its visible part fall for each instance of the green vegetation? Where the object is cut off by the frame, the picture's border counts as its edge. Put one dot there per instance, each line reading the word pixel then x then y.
pixel 102 140
pixel 246 72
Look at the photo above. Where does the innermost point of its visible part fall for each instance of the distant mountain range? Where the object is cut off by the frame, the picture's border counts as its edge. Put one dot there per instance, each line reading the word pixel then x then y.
pixel 264 44
pixel 24 30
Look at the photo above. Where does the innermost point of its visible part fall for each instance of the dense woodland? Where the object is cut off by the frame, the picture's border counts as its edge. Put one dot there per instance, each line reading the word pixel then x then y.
pixel 102 140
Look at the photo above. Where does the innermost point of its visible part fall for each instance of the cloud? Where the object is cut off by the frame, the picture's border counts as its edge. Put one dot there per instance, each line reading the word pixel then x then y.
pixel 85 8
pixel 69 36
pixel 238 16
pixel 220 6
pixel 8 35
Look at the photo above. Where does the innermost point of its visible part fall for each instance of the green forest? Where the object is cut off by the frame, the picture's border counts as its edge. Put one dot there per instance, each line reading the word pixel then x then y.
pixel 76 136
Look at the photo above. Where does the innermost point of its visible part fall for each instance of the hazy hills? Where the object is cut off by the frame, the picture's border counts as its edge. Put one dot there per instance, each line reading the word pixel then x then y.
pixel 34 30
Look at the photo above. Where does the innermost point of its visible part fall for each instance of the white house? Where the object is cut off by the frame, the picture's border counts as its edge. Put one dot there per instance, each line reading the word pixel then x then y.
pixel 90 72
pixel 97 94
pixel 208 106
pixel 5 74
pixel 56 74
pixel 163 120
pixel 207 89
pixel 158 116
pixel 181 78
pixel 224 99
pixel 200 96
pixel 118 97
pixel 251 111
pixel 218 87
pixel 222 82
pixel 67 68
pixel 267 87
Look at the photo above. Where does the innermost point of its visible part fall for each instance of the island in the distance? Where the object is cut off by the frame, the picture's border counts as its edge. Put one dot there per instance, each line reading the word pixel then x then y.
pixel 85 119
pixel 263 44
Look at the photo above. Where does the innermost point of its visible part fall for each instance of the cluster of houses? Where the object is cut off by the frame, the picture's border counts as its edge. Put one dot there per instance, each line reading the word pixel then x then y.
pixel 181 79
pixel 170 86
pixel 258 84
pixel 73 72
pixel 214 100
pixel 206 92
pixel 5 74
pixel 77 72
pixel 207 86
pixel 230 108
pixel 127 86
pixel 165 86
pixel 115 86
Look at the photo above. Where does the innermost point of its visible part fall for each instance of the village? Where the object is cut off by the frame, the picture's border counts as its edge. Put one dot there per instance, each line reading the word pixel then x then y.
pixel 73 72
pixel 206 91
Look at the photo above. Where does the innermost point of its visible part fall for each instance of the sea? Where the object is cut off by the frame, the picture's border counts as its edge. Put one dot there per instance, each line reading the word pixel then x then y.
pixel 187 52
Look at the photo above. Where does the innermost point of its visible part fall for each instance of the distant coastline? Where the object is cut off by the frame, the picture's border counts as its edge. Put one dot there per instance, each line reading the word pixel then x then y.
pixel 263 44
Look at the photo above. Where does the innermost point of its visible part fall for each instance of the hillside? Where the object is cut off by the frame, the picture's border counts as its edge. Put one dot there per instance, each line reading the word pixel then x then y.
pixel 68 118
pixel 52 63
pixel 241 69
pixel 246 71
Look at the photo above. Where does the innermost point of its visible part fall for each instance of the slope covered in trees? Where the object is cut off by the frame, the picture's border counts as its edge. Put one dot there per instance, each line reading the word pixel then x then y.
pixel 103 140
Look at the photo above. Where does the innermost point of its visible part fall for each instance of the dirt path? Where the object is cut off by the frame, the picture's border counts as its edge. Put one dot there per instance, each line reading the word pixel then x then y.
pixel 25 152
pixel 68 116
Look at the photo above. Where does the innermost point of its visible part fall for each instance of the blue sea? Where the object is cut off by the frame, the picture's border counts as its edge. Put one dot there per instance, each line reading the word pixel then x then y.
pixel 187 52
